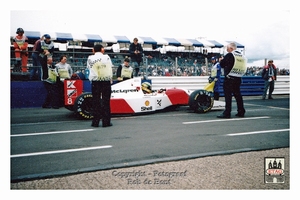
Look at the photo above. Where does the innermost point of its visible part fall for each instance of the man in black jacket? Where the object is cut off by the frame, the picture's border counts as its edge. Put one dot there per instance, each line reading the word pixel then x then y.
pixel 269 75
pixel 234 68
pixel 136 55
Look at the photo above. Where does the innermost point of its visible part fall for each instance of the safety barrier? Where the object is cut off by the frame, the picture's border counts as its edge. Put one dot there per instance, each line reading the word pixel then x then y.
pixel 33 93
pixel 251 85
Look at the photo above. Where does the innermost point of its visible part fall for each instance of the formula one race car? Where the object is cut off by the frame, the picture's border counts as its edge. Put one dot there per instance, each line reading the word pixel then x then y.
pixel 136 96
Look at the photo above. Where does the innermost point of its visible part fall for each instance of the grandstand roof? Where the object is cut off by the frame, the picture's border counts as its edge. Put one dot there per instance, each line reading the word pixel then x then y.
pixel 148 40
pixel 91 38
pixel 216 44
pixel 122 39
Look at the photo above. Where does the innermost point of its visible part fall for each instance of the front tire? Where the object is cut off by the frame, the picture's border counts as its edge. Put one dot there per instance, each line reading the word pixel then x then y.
pixel 201 101
pixel 83 106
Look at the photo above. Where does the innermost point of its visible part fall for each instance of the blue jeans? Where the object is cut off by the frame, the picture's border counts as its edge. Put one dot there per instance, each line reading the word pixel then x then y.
pixel 136 68
pixel 36 66
pixel 268 86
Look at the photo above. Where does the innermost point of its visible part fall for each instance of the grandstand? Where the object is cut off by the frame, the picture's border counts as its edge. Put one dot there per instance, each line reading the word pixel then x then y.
pixel 176 56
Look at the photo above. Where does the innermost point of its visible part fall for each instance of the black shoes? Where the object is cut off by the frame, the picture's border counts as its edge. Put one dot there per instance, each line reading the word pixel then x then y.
pixel 107 125
pixel 228 116
pixel 45 106
pixel 223 116
pixel 263 98
pixel 96 124
pixel 240 114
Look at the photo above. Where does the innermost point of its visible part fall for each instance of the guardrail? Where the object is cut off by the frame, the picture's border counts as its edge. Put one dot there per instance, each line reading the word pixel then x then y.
pixel 251 85
pixel 32 93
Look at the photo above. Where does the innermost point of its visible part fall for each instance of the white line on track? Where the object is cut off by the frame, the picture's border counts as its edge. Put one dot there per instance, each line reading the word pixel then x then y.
pixel 60 151
pixel 266 107
pixel 41 123
pixel 230 119
pixel 258 132
pixel 53 132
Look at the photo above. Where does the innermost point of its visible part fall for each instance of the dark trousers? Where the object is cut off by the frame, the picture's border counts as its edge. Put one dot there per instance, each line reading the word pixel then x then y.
pixel 136 67
pixel 101 91
pixel 36 67
pixel 216 90
pixel 43 61
pixel 232 87
pixel 269 86
pixel 52 97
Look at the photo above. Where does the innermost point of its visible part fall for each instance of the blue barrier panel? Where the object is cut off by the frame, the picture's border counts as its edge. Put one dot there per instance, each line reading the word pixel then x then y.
pixel 27 94
pixel 251 86
pixel 32 93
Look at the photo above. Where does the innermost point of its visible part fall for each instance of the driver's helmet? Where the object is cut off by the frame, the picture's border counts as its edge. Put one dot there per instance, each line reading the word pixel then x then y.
pixel 146 87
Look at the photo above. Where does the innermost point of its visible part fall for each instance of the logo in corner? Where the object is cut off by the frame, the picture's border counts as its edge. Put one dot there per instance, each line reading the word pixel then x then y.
pixel 274 170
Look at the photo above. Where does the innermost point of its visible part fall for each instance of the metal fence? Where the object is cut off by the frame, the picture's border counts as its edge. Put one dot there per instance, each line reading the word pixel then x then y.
pixel 251 85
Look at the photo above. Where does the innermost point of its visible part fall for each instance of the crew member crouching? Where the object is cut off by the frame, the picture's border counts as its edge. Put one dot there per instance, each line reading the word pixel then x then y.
pixel 124 71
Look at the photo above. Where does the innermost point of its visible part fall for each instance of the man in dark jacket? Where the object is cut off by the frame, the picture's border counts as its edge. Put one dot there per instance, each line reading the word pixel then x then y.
pixel 269 75
pixel 45 48
pixel 136 55
pixel 234 68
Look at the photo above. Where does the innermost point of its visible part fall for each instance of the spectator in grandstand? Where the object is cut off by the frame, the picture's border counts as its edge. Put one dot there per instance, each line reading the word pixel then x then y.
pixel 215 76
pixel 234 69
pixel 20 43
pixel 269 74
pixel 195 67
pixel 124 71
pixel 136 55
pixel 65 71
pixel 36 61
pixel 203 71
pixel 100 75
pixel 167 73
pixel 45 48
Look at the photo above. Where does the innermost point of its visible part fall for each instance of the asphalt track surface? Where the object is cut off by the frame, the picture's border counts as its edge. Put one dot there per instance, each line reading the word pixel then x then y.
pixel 50 143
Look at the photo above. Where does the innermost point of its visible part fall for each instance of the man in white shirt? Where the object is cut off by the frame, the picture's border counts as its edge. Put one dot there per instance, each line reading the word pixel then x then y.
pixel 100 75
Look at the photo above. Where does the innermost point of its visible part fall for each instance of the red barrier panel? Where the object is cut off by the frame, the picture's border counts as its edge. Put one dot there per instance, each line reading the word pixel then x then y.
pixel 72 89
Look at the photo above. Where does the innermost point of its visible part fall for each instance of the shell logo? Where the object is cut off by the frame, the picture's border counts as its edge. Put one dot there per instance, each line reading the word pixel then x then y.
pixel 147 103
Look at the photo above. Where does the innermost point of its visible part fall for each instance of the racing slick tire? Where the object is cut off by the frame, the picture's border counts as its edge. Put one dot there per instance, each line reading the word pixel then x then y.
pixel 83 106
pixel 201 101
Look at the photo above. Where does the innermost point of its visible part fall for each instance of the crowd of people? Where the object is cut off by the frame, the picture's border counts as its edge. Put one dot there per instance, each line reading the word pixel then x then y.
pixel 150 63
pixel 101 71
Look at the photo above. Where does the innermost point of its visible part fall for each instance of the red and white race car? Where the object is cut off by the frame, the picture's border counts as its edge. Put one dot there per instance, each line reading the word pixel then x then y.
pixel 134 96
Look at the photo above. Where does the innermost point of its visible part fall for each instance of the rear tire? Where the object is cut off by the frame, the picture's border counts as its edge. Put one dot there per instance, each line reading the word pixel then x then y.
pixel 83 106
pixel 201 101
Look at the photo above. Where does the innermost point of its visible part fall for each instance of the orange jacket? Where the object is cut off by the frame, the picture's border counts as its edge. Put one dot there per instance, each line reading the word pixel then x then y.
pixel 20 42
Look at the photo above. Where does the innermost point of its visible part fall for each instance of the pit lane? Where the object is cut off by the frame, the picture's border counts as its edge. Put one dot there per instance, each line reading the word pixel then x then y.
pixel 48 142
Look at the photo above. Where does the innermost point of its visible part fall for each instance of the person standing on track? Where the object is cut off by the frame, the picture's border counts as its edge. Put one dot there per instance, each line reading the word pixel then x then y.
pixel 269 75
pixel 215 76
pixel 100 67
pixel 234 64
